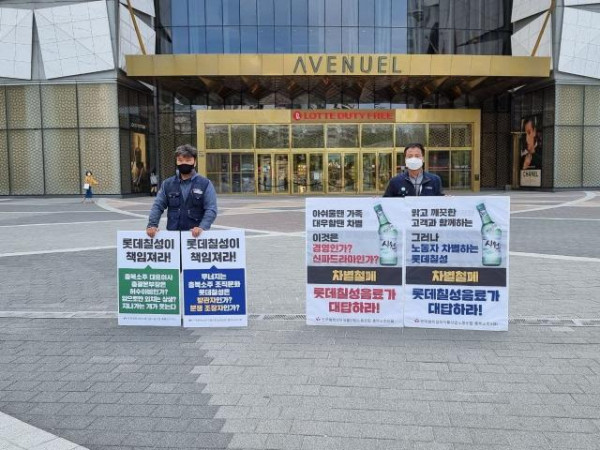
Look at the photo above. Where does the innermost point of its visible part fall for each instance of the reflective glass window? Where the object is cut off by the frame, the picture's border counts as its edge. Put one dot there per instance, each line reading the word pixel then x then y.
pixel 266 14
pixel 181 43
pixel 399 40
pixel 316 13
pixel 217 168
pixel 410 133
pixel 307 136
pixel 196 12
pixel 248 12
pixel 179 13
pixel 231 12
pixel 231 39
pixel 333 40
pixel 272 136
pixel 383 40
pixel 248 40
pixel 316 40
pixel 333 12
pixel 197 39
pixel 299 12
pixel 214 39
pixel 283 12
pixel 350 40
pixel 283 43
pixel 366 13
pixel 242 136
pixel 217 137
pixel 399 13
pixel 266 40
pixel 366 39
pixel 350 13
pixel 377 135
pixel 383 13
pixel 342 136
pixel 214 12
pixel 299 39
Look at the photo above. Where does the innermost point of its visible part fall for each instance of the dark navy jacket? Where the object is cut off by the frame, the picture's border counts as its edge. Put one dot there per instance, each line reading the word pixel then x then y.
pixel 431 185
pixel 199 209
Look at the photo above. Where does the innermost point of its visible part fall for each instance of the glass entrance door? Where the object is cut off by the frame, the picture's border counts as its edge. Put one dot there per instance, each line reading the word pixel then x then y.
pixel 265 173
pixel 281 185
pixel 273 173
pixel 342 172
pixel 376 170
pixel 307 173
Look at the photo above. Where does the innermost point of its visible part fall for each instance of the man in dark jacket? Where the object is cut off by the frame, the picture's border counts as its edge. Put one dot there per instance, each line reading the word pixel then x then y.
pixel 415 181
pixel 190 199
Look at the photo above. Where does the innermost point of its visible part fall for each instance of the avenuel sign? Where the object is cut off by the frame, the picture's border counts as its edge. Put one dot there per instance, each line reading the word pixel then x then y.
pixel 343 115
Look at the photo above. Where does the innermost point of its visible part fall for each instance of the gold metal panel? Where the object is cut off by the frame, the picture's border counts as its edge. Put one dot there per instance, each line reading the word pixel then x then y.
pixel 438 116
pixel 243 116
pixel 251 64
pixel 441 65
pixel 138 65
pixel 230 65
pixel 481 65
pixel 331 64
pixel 207 64
pixel 184 64
pixel 272 64
pixel 289 63
pixel 461 65
pixel 420 65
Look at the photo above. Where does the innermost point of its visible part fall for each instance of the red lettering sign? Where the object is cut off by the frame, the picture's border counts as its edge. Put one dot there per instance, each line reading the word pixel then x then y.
pixel 343 115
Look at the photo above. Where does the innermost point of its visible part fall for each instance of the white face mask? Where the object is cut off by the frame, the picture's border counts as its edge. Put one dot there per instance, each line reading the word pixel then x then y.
pixel 414 163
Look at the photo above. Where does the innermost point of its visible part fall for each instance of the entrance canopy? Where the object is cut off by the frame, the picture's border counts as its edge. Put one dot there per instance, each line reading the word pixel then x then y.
pixel 387 75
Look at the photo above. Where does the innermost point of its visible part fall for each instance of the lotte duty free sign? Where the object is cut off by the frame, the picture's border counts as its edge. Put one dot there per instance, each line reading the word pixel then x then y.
pixel 343 115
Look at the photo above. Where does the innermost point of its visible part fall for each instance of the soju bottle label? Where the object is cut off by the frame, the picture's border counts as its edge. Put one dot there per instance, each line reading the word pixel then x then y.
pixel 388 239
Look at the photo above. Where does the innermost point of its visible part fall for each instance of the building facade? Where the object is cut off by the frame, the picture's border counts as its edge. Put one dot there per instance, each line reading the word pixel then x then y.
pixel 298 97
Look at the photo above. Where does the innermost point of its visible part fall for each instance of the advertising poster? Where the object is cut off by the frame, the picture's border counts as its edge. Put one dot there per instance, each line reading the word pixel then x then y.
pixel 530 163
pixel 214 279
pixel 456 263
pixel 354 262
pixel 148 278
pixel 139 163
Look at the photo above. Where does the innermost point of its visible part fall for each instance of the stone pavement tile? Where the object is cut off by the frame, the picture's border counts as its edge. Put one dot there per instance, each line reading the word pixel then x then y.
pixel 573 440
pixel 277 426
pixel 452 435
pixel 284 442
pixel 177 440
pixel 239 425
pixel 341 443
pixel 248 441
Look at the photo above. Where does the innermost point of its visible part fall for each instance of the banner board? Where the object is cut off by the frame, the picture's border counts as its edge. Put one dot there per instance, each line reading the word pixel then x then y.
pixel 456 263
pixel 214 279
pixel 433 262
pixel 354 269
pixel 148 278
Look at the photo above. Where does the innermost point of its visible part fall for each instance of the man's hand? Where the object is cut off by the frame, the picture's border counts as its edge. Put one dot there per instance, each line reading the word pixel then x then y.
pixel 151 231
pixel 197 231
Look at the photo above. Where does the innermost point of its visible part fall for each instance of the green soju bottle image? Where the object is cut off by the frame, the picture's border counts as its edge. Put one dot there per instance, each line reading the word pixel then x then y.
pixel 491 236
pixel 388 239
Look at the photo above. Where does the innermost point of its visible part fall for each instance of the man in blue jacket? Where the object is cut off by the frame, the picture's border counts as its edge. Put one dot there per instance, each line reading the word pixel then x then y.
pixel 190 199
pixel 415 181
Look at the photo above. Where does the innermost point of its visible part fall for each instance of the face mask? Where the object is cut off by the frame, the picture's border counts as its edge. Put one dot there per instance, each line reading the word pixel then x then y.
pixel 414 163
pixel 185 169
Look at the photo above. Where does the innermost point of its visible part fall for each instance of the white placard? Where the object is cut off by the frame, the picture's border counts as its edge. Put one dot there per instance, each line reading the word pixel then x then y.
pixel 214 279
pixel 431 262
pixel 148 278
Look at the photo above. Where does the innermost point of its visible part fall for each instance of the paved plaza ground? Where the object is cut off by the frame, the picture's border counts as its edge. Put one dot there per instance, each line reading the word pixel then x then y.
pixel 70 376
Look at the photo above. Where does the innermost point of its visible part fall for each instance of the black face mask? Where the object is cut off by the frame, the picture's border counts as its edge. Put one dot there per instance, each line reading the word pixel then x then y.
pixel 185 169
